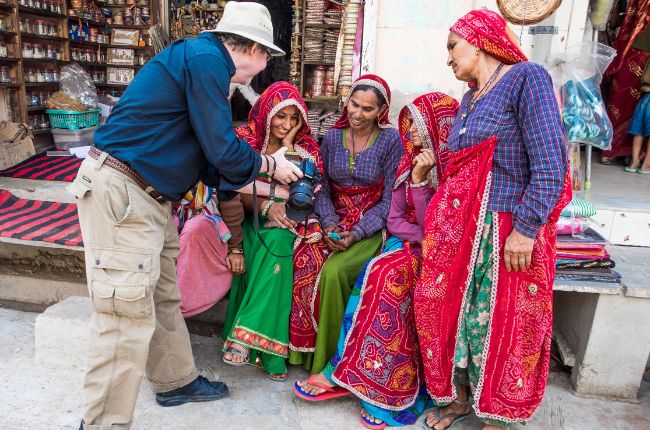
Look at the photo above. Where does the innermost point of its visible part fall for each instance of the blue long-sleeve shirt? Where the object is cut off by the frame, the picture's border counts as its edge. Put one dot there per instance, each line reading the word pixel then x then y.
pixel 530 159
pixel 173 125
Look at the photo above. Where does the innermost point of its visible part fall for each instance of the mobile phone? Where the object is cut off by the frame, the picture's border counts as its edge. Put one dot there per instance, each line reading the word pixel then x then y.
pixel 334 235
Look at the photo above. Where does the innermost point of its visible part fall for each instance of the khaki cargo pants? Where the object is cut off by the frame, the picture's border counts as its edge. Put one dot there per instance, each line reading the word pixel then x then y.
pixel 131 245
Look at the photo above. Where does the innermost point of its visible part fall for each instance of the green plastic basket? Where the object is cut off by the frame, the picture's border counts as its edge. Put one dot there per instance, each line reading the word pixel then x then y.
pixel 73 120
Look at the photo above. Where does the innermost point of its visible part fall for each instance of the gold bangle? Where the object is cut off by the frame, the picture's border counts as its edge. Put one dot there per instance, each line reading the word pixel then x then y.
pixel 237 251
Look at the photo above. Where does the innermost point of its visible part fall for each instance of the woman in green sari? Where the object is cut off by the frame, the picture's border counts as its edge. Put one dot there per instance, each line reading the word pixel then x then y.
pixel 256 330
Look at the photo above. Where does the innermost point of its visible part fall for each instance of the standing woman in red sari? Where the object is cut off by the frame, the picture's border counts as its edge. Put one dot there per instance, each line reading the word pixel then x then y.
pixel 483 304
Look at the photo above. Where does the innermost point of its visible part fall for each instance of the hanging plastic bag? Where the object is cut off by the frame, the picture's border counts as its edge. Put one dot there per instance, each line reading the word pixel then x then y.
pixel 577 74
pixel 77 84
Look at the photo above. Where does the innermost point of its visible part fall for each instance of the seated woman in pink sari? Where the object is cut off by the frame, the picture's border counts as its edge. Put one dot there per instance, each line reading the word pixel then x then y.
pixel 484 300
pixel 360 156
pixel 378 358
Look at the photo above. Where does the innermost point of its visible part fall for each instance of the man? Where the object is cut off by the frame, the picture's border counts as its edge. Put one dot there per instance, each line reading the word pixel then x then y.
pixel 172 127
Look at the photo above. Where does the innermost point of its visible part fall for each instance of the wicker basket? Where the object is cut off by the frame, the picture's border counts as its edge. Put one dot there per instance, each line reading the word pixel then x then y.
pixel 73 120
pixel 527 12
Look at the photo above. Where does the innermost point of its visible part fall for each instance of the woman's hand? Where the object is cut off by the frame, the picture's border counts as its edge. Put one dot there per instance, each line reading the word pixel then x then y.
pixel 348 238
pixel 331 243
pixel 288 139
pixel 422 165
pixel 235 263
pixel 518 251
pixel 278 214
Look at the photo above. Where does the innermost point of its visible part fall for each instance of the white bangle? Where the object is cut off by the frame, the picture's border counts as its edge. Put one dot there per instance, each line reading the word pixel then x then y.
pixel 421 184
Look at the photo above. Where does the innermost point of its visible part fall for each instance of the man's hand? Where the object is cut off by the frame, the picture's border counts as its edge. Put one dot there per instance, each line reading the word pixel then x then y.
pixel 285 171
pixel 518 251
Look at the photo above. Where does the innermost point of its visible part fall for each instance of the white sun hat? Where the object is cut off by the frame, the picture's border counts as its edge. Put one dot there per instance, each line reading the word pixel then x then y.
pixel 249 20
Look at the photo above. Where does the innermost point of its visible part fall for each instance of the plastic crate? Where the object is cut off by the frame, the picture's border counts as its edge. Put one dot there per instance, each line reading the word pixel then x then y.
pixel 73 120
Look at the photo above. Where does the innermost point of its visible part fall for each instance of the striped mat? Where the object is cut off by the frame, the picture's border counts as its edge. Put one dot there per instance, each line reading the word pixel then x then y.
pixel 45 168
pixel 38 220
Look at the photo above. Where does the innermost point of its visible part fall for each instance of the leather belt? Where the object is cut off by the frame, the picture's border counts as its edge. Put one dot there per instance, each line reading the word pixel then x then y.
pixel 125 169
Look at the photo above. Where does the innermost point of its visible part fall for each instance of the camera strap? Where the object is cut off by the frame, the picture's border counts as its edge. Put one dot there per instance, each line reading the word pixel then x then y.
pixel 256 226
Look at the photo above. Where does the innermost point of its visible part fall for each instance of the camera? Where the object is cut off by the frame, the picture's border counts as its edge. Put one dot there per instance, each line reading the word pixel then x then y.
pixel 301 192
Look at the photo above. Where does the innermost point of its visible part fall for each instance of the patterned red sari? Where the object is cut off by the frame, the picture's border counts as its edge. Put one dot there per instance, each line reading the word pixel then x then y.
pixel 516 358
pixel 381 362
pixel 309 258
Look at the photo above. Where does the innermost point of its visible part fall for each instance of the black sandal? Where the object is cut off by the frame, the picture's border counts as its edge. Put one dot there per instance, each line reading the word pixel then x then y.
pixel 456 418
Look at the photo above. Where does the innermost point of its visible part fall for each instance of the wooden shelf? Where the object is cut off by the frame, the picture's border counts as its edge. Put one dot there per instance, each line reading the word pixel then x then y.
pixel 38 36
pixel 322 99
pixel 105 45
pixel 121 66
pixel 40 84
pixel 9 60
pixel 44 60
pixel 12 85
pixel 7 33
pixel 328 26
pixel 36 108
pixel 86 21
pixel 129 27
pixel 41 131
pixel 112 85
pixel 5 6
pixel 40 12
pixel 317 63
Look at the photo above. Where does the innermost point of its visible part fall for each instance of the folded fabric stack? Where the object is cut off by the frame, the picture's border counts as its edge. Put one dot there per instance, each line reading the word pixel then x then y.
pixel 581 253
pixel 350 19
pixel 329 48
pixel 314 44
pixel 314 122
pixel 327 121
pixel 314 11
pixel 333 17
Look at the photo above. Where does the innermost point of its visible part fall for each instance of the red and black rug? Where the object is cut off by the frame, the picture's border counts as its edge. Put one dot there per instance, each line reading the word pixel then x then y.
pixel 38 220
pixel 45 168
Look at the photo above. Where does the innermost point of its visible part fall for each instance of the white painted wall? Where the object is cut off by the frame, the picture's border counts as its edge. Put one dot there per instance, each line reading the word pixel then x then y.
pixel 405 42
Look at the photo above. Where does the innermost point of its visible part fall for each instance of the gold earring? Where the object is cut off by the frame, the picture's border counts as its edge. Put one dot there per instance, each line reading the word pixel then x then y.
pixel 477 51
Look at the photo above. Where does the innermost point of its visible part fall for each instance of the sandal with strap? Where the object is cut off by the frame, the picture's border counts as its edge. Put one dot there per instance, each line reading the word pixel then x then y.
pixel 245 354
pixel 279 377
pixel 456 418
pixel 330 392
pixel 370 424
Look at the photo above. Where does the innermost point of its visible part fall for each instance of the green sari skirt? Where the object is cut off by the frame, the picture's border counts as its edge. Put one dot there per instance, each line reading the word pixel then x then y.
pixel 260 299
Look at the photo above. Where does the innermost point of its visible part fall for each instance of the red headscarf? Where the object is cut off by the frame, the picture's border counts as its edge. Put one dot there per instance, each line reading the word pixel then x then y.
pixel 258 130
pixel 376 82
pixel 433 115
pixel 488 30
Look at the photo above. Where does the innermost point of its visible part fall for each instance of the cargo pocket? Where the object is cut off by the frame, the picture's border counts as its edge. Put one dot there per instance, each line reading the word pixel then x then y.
pixel 120 283
pixel 79 187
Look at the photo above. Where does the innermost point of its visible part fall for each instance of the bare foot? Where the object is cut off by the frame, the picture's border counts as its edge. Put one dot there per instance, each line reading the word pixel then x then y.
pixel 313 389
pixel 370 418
pixel 455 407
pixel 237 357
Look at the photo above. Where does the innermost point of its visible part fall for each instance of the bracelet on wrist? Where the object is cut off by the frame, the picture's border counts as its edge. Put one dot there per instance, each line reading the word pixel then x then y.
pixel 267 206
pixel 421 184
pixel 237 251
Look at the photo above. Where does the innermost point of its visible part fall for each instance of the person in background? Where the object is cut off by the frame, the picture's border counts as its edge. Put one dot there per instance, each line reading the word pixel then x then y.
pixel 360 156
pixel 484 300
pixel 170 129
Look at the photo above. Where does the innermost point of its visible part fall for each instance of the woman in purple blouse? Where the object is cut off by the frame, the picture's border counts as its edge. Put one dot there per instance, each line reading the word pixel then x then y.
pixel 360 156
pixel 378 357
